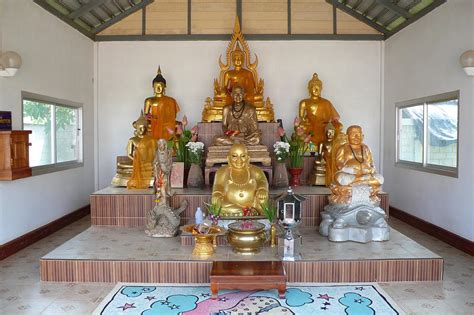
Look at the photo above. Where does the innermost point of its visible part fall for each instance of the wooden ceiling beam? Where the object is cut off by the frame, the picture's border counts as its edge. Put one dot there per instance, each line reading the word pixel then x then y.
pixel 395 8
pixel 121 16
pixel 85 8
pixel 358 16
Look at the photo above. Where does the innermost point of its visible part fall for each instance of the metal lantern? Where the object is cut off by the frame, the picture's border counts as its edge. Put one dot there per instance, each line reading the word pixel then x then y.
pixel 289 216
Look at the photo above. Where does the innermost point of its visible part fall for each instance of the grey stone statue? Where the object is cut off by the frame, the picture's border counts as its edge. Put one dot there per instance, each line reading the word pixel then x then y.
pixel 162 220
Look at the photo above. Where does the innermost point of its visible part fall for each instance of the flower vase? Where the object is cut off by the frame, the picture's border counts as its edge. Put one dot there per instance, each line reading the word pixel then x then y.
pixel 273 235
pixel 295 176
pixel 280 175
pixel 195 178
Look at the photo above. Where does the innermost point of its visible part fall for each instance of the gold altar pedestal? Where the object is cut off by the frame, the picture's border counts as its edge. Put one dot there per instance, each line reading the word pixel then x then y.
pixel 218 154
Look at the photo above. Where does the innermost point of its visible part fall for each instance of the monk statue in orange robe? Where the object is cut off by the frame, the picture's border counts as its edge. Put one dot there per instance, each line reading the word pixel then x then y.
pixel 316 112
pixel 161 110
pixel 141 150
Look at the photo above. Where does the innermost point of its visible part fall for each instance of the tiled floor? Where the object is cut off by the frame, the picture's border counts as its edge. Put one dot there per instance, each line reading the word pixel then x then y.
pixel 21 292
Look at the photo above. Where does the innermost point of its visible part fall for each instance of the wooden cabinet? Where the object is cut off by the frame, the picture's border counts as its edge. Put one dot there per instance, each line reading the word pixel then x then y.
pixel 14 154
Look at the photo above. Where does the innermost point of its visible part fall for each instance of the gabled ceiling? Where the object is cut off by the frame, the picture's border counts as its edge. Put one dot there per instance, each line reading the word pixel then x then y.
pixel 92 16
pixel 387 17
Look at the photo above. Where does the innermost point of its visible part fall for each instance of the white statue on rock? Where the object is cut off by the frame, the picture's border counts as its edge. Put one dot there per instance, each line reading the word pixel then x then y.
pixel 353 213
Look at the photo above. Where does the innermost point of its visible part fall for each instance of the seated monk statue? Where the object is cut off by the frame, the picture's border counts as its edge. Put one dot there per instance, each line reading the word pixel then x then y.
pixel 239 122
pixel 161 110
pixel 239 184
pixel 316 112
pixel 141 149
pixel 354 166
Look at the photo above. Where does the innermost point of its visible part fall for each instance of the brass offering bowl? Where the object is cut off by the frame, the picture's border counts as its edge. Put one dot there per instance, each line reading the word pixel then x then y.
pixel 204 242
pixel 246 240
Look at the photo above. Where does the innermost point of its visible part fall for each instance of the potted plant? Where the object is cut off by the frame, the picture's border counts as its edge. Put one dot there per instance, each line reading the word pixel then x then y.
pixel 270 212
pixel 180 137
pixel 299 144
pixel 281 150
pixel 214 211
pixel 195 151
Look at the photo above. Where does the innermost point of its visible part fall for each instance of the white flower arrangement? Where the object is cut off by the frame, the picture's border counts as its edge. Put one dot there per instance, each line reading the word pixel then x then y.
pixel 195 150
pixel 195 147
pixel 281 149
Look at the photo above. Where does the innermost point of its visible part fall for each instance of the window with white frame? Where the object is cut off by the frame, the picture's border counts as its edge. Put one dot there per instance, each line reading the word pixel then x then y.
pixel 56 139
pixel 427 134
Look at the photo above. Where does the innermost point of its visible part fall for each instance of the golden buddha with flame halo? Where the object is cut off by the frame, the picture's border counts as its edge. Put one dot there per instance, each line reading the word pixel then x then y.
pixel 141 150
pixel 316 112
pixel 239 184
pixel 161 110
pixel 244 74
pixel 354 166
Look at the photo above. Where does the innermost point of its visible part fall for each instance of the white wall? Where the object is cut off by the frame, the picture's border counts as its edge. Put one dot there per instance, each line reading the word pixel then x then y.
pixel 350 71
pixel 57 62
pixel 422 60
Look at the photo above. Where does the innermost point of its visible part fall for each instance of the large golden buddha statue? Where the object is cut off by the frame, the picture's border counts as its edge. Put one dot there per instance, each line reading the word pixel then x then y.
pixel 161 110
pixel 239 184
pixel 238 71
pixel 354 166
pixel 316 112
pixel 138 171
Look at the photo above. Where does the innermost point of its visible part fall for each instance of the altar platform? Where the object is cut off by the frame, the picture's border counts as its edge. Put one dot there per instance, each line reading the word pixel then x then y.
pixel 111 254
pixel 117 206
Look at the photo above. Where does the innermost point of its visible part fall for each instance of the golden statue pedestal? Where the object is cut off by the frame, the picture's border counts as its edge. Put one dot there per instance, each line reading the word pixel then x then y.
pixel 318 175
pixel 257 153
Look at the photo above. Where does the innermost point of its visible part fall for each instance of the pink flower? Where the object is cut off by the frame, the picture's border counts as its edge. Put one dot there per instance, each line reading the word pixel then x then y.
pixel 184 121
pixel 307 139
pixel 179 130
pixel 194 130
pixel 300 131
pixel 281 132
pixel 297 121
pixel 170 131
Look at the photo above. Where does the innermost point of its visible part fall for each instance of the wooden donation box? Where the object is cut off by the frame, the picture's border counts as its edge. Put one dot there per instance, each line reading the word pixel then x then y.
pixel 248 275
pixel 14 154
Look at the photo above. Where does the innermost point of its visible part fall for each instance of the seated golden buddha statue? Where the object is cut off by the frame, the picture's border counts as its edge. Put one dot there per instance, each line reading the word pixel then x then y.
pixel 354 166
pixel 161 110
pixel 322 172
pixel 316 112
pixel 239 125
pixel 137 172
pixel 238 71
pixel 239 184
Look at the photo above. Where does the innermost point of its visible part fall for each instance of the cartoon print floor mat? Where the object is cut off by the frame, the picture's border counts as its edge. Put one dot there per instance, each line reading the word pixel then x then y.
pixel 158 299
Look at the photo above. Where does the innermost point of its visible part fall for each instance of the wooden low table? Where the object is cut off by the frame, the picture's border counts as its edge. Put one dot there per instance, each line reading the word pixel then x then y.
pixel 248 275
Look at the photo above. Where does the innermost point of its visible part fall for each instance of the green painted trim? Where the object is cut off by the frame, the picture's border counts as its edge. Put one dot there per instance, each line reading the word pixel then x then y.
pixel 420 14
pixel 388 4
